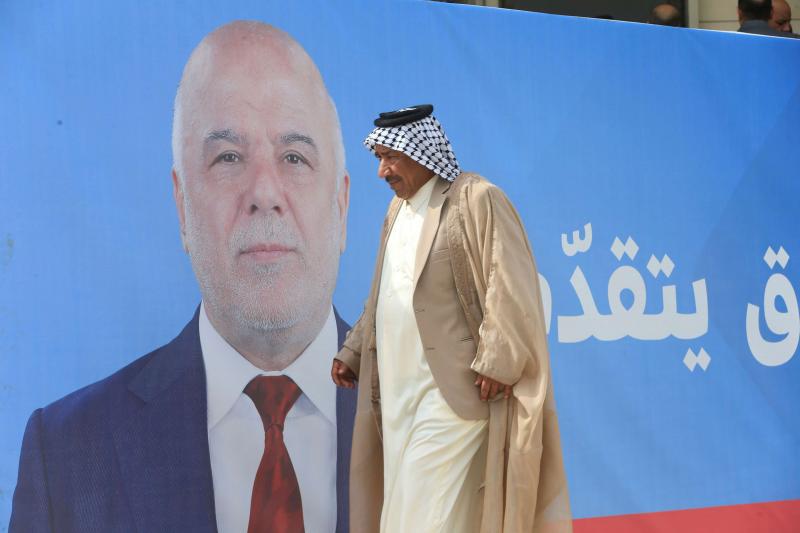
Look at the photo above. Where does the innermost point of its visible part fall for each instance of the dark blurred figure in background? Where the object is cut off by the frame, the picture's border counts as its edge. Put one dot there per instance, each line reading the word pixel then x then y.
pixel 754 16
pixel 781 19
pixel 665 14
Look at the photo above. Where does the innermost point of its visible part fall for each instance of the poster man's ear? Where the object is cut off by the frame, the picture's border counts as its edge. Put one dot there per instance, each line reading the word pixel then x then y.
pixel 344 203
pixel 177 194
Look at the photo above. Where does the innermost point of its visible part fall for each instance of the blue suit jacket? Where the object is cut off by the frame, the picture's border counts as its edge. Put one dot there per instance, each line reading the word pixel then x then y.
pixel 130 452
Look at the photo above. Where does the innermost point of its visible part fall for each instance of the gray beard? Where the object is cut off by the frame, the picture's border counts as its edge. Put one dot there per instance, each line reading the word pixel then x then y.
pixel 306 292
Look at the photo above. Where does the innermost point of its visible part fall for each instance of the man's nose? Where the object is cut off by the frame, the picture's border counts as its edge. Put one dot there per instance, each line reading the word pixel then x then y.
pixel 266 190
pixel 383 169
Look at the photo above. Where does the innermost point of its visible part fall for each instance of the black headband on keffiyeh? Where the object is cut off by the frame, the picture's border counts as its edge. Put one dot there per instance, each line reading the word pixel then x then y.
pixel 416 133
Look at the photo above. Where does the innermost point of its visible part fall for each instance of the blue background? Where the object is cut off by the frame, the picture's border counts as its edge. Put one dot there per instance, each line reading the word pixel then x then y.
pixel 678 138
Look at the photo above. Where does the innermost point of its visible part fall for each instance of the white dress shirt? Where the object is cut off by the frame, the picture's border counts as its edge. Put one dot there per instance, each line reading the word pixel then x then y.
pixel 236 433
pixel 430 477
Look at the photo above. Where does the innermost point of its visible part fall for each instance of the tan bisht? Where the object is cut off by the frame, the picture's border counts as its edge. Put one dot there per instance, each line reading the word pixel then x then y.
pixel 478 309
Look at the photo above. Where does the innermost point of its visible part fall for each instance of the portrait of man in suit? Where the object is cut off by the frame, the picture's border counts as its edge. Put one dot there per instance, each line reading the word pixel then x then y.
pixel 234 425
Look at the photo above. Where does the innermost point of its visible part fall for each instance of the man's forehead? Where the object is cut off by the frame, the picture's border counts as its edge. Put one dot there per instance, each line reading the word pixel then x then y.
pixel 781 9
pixel 385 150
pixel 238 59
pixel 253 76
pixel 242 94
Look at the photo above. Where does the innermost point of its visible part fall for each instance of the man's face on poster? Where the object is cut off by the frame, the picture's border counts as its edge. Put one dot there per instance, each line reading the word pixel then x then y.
pixel 263 194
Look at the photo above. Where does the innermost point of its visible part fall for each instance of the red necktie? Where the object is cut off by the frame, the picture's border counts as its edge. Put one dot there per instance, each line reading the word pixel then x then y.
pixel 275 506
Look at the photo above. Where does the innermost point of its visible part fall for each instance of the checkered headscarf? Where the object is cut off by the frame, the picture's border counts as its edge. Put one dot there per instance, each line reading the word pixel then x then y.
pixel 422 140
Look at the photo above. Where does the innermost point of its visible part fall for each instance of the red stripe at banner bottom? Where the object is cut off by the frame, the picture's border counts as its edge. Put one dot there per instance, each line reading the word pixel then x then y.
pixel 769 517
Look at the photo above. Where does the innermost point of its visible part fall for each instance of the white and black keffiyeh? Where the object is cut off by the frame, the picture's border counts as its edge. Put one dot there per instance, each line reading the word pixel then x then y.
pixel 422 140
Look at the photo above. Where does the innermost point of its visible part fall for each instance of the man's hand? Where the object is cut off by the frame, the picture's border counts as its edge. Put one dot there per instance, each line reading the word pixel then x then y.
pixel 342 375
pixel 489 388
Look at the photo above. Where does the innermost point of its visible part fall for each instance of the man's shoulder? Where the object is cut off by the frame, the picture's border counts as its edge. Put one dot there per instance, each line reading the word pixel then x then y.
pixel 107 399
pixel 476 188
pixel 471 178
pixel 89 405
pixel 762 27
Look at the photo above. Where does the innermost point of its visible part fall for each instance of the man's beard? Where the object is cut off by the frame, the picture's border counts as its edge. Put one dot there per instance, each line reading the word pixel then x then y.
pixel 270 298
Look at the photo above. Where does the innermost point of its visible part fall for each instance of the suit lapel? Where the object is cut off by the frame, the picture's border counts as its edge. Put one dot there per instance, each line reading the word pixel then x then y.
pixel 345 415
pixel 429 226
pixel 162 448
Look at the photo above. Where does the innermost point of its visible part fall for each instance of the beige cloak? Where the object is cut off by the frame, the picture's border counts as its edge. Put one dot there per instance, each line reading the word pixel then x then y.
pixel 496 280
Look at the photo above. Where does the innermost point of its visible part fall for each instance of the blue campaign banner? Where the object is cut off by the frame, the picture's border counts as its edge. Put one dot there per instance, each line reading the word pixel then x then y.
pixel 651 166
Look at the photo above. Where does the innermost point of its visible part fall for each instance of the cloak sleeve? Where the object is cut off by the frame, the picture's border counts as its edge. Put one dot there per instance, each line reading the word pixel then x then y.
pixel 350 354
pixel 512 331
pixel 525 483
